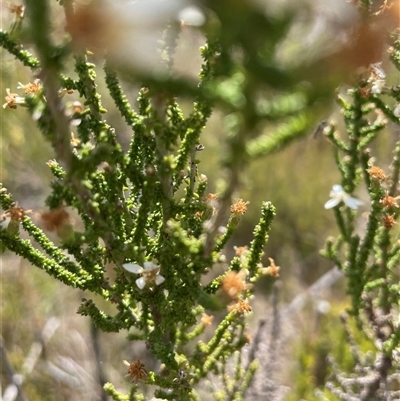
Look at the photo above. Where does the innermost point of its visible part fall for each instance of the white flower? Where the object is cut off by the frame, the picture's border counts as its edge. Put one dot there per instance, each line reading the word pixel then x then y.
pixel 150 273
pixel 339 195
pixel 377 86
pixel 396 110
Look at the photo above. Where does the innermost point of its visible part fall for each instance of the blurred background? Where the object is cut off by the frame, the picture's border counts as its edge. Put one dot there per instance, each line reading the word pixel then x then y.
pixel 38 315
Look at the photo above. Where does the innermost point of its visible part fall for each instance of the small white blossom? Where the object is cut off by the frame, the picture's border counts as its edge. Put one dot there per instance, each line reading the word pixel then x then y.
pixel 377 86
pixel 150 273
pixel 339 195
pixel 396 110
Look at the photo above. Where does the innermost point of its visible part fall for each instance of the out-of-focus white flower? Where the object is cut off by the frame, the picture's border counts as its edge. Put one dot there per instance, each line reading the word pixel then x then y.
pixel 339 195
pixel 396 110
pixel 150 273
pixel 377 86
pixel 192 15
pixel 322 306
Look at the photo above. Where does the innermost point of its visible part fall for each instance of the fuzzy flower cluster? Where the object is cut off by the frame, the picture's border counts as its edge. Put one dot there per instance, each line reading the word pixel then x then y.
pixel 234 283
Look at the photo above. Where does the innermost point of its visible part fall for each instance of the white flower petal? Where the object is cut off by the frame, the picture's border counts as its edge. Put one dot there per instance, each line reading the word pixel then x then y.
pixel 337 190
pixel 141 282
pixel 159 279
pixel 148 266
pixel 332 203
pixel 133 268
pixel 352 203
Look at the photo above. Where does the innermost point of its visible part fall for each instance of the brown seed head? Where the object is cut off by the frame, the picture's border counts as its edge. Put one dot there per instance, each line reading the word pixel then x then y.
pixel 136 370
pixel 389 201
pixel 389 221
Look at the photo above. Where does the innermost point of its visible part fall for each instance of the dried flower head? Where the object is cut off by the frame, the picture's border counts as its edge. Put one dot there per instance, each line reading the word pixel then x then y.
pixel 12 100
pixel 15 213
pixel 234 283
pixel 55 219
pixel 240 207
pixel 377 173
pixel 150 273
pixel 241 307
pixel 241 250
pixel 212 205
pixel 18 10
pixel 136 370
pixel 211 197
pixel 206 320
pixel 390 201
pixel 272 269
pixel 389 221
pixel 30 88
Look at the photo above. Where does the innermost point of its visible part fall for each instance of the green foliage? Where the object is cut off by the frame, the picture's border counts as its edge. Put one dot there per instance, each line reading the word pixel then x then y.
pixel 148 203
pixel 149 243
